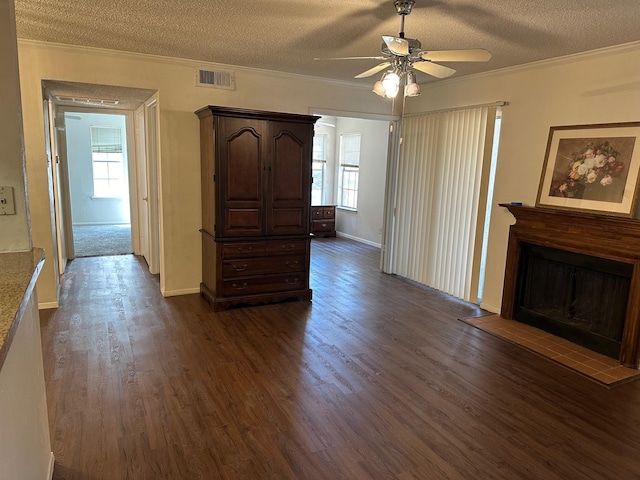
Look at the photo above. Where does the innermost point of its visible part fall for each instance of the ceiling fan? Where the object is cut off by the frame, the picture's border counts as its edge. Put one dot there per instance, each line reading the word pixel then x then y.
pixel 401 56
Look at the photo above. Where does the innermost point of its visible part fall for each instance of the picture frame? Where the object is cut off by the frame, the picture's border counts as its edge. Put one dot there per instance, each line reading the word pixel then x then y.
pixel 592 168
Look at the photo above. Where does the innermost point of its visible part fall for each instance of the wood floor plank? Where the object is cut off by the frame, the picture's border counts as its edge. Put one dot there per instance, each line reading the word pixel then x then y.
pixel 374 379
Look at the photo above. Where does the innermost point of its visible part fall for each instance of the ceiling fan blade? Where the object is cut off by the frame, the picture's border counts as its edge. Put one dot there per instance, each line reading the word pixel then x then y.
pixel 433 69
pixel 374 70
pixel 397 45
pixel 471 55
pixel 352 58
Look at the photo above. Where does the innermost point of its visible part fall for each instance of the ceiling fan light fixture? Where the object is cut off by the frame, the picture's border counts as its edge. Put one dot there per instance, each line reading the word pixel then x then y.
pixel 378 89
pixel 391 84
pixel 411 89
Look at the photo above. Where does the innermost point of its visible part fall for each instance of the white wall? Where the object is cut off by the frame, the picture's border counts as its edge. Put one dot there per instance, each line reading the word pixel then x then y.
pixel 598 87
pixel 14 228
pixel 85 209
pixel 179 135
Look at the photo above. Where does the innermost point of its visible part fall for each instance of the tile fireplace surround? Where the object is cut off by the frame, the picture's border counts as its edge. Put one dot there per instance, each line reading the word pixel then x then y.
pixel 596 235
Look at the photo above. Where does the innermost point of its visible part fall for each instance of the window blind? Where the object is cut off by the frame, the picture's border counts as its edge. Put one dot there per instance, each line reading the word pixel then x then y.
pixel 106 139
pixel 437 232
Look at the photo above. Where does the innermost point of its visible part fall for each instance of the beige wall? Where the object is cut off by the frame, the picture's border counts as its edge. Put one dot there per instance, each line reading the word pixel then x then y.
pixel 179 142
pixel 598 87
pixel 14 228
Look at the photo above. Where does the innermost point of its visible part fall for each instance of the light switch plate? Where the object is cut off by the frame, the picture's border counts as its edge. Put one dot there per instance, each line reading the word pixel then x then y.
pixel 7 205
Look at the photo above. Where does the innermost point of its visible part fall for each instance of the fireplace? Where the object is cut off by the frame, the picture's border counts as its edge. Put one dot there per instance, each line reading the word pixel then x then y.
pixel 574 296
pixel 576 275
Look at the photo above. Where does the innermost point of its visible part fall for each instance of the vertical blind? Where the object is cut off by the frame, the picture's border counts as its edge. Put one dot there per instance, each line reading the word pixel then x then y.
pixel 440 177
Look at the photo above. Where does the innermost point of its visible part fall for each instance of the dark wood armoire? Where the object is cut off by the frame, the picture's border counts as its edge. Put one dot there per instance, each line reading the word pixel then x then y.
pixel 256 187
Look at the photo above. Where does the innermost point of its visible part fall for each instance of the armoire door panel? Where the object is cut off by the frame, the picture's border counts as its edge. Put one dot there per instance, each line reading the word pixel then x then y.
pixel 285 219
pixel 241 182
pixel 247 221
pixel 244 169
pixel 288 186
pixel 288 166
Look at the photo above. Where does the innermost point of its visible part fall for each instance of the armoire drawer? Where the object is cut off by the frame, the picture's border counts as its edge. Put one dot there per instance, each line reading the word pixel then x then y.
pixel 287 247
pixel 264 284
pixel 243 249
pixel 244 267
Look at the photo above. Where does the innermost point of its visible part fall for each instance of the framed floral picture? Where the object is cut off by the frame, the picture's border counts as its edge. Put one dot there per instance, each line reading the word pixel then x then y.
pixel 592 168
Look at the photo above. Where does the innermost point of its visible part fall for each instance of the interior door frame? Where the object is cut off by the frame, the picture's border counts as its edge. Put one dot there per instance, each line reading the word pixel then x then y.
pixel 60 233
pixel 152 147
pixel 141 240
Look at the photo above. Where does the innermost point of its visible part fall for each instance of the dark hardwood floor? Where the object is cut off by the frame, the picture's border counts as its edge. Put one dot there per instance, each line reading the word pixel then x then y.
pixel 375 379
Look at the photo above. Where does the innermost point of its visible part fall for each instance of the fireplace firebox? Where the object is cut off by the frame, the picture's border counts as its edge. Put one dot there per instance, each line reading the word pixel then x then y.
pixel 574 296
pixel 576 275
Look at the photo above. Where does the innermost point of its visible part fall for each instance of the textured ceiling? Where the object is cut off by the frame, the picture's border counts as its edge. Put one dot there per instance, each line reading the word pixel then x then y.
pixel 286 35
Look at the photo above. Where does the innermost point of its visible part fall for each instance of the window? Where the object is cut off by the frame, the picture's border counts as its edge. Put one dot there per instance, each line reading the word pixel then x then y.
pixel 318 167
pixel 108 162
pixel 349 170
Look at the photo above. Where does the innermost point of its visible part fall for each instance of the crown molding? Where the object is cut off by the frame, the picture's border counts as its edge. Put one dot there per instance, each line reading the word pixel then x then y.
pixel 183 62
pixel 549 62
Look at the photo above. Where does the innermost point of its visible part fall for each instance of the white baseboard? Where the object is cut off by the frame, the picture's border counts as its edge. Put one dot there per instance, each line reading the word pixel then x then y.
pixel 175 293
pixel 52 462
pixel 358 239
pixel 46 305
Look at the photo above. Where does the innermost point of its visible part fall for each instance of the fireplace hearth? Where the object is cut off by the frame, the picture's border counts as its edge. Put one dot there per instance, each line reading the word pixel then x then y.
pixel 576 275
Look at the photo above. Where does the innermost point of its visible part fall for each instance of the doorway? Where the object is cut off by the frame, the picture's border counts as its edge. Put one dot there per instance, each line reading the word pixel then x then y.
pixel 350 157
pixel 97 165
pixel 105 110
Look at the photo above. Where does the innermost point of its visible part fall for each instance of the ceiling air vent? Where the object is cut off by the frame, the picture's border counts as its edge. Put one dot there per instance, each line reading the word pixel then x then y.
pixel 209 78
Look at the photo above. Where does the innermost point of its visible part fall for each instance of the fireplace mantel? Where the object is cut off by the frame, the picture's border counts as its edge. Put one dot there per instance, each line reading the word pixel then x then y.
pixel 603 236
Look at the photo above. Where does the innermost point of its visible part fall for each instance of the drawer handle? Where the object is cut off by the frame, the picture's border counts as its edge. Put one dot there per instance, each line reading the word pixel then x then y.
pixel 288 247
pixel 324 224
pixel 239 268
pixel 292 264
pixel 245 249
pixel 290 281
pixel 244 285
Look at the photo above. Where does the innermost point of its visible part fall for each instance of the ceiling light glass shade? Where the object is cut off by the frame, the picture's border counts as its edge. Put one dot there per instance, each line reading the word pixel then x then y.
pixel 391 84
pixel 411 89
pixel 378 89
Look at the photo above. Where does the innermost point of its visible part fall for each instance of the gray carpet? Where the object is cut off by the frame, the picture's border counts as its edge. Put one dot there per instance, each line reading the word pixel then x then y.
pixel 101 240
